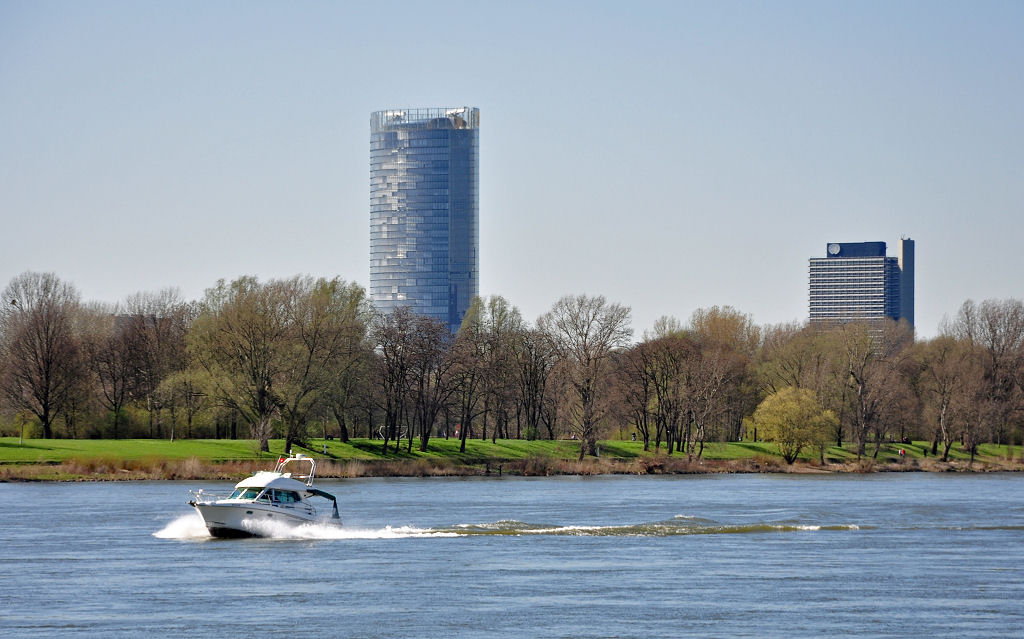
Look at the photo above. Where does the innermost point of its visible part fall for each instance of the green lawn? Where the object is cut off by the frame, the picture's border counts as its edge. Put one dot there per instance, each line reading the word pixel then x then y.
pixel 58 450
pixel 217 450
pixel 477 451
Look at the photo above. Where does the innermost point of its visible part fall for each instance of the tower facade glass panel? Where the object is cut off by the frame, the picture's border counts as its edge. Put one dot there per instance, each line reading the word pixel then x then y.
pixel 424 211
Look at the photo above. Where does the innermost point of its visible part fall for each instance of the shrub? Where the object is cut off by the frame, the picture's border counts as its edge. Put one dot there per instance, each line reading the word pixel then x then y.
pixel 536 466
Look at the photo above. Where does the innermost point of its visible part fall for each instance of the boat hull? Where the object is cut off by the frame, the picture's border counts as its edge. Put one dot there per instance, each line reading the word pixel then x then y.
pixel 234 520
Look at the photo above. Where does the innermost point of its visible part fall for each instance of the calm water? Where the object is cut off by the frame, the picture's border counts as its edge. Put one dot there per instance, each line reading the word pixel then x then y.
pixel 718 556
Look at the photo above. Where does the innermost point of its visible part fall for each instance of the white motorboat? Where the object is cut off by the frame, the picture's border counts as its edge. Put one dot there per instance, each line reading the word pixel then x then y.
pixel 268 498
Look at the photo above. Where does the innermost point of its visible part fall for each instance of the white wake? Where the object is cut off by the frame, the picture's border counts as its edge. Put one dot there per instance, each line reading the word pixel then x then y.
pixel 184 527
pixel 192 527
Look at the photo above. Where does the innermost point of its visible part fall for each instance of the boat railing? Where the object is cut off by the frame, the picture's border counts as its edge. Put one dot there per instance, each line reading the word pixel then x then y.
pixel 202 495
pixel 298 460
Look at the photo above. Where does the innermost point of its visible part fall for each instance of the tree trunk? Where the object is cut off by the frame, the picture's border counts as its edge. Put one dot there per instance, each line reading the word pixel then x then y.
pixel 343 429
pixel 387 432
pixel 483 426
pixel 47 424
pixel 262 433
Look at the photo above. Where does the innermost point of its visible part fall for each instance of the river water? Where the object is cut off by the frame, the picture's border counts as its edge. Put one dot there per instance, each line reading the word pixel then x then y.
pixel 884 555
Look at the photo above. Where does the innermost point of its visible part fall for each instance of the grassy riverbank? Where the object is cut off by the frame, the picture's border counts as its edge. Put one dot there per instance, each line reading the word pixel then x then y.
pixel 70 460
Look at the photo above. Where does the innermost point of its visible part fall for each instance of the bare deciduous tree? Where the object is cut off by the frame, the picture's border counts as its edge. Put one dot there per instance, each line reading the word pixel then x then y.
pixel 156 325
pixel 431 379
pixel 392 335
pixel 112 357
pixel 535 359
pixel 874 353
pixel 586 330
pixel 671 362
pixel 996 328
pixel 636 388
pixel 39 349
pixel 184 390
pixel 469 353
pixel 946 365
pixel 712 382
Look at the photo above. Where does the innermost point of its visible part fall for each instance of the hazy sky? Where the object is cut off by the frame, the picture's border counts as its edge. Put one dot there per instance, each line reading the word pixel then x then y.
pixel 668 155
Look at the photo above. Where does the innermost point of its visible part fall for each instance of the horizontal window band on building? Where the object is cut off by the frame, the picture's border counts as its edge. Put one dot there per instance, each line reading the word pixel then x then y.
pixel 859 280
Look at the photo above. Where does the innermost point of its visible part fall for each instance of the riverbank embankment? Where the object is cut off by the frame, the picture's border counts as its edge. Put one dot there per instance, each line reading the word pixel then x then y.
pixel 150 459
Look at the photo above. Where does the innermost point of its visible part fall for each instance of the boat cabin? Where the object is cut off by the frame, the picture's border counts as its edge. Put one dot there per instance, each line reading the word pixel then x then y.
pixel 269 494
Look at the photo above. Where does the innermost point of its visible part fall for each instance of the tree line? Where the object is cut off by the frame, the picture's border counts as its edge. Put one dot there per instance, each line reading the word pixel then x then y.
pixel 303 357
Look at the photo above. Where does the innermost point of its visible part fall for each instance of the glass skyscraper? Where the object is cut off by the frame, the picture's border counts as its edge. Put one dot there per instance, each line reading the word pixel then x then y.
pixel 857 281
pixel 424 211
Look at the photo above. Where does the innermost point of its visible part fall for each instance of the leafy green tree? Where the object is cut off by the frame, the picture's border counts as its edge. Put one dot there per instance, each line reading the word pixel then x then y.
pixel 503 325
pixel 793 419
pixel 241 340
pixel 327 323
pixel 808 356
pixel 271 350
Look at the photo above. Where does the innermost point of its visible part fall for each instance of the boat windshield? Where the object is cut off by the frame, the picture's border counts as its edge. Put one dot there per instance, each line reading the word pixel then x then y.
pixel 245 493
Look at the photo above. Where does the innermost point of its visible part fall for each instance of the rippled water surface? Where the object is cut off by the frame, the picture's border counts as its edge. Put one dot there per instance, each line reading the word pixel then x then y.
pixel 716 556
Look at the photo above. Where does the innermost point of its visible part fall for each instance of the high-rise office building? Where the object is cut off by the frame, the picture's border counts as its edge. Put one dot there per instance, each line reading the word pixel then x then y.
pixel 424 211
pixel 857 281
